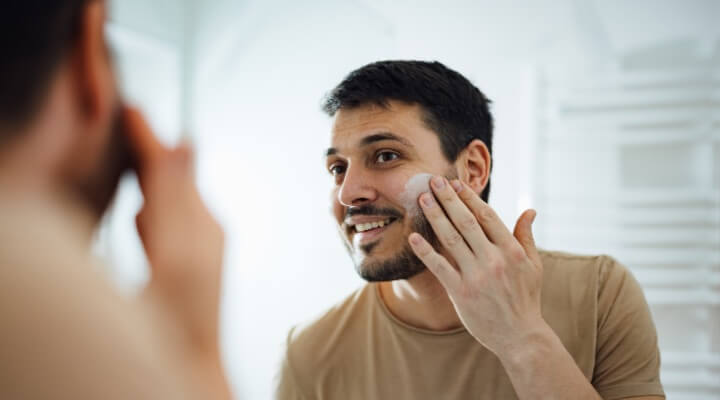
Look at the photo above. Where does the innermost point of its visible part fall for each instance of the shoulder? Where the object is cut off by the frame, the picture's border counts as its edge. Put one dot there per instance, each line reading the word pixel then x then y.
pixel 569 261
pixel 592 269
pixel 589 282
pixel 574 287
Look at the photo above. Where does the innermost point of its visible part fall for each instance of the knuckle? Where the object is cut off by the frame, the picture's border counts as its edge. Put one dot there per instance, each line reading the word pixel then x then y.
pixel 466 288
pixel 433 213
pixel 453 239
pixel 495 264
pixel 446 196
pixel 469 223
pixel 425 251
pixel 516 253
pixel 498 270
pixel 472 286
pixel 485 214
pixel 437 264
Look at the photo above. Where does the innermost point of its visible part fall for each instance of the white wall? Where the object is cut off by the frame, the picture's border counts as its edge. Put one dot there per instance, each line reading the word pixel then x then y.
pixel 255 72
pixel 147 39
pixel 261 71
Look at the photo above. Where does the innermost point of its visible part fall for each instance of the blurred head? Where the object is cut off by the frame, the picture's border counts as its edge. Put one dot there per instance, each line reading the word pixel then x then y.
pixel 393 120
pixel 59 105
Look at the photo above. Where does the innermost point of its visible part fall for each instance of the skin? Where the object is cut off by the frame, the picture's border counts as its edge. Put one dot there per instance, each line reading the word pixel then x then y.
pixel 482 276
pixel 371 174
pixel 67 333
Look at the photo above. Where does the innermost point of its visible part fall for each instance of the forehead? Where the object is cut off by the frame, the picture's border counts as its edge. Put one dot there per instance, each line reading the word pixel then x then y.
pixel 403 120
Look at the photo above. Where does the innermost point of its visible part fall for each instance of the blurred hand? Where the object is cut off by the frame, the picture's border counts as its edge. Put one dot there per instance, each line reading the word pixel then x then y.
pixel 182 240
pixel 495 277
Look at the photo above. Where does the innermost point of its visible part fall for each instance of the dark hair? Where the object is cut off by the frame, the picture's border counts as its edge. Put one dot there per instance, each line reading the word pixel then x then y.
pixel 453 107
pixel 35 35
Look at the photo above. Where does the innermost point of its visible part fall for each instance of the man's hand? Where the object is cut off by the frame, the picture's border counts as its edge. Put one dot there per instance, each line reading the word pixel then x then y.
pixel 183 242
pixel 493 277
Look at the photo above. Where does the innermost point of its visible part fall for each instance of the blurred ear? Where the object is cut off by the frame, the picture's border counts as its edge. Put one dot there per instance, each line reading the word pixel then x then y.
pixel 473 165
pixel 92 67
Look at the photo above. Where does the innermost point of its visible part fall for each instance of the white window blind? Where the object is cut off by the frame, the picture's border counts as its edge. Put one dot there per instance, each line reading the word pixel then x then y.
pixel 629 165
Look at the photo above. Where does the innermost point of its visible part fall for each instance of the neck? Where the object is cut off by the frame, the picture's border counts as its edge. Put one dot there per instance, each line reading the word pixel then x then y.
pixel 30 176
pixel 420 301
pixel 36 195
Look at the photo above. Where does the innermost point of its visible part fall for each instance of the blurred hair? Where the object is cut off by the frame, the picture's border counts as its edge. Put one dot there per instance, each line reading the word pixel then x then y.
pixel 456 110
pixel 35 36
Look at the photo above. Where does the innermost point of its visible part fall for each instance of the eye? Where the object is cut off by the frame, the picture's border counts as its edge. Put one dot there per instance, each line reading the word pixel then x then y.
pixel 336 169
pixel 386 156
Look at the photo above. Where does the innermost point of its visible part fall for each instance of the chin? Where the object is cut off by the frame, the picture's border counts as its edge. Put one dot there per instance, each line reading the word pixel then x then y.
pixel 403 265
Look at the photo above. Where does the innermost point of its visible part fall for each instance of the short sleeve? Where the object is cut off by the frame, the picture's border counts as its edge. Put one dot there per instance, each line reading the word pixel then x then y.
pixel 627 360
pixel 287 385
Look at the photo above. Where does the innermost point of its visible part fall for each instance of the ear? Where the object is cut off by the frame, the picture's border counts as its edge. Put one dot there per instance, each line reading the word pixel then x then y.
pixel 474 165
pixel 91 63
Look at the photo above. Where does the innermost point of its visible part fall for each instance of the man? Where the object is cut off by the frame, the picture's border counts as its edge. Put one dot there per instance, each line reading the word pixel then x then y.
pixel 65 140
pixel 457 307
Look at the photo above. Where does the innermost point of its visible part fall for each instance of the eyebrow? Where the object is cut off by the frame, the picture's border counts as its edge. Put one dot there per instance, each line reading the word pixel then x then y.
pixel 370 139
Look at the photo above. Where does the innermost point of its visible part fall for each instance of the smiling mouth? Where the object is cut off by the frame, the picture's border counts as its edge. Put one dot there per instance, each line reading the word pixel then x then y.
pixel 373 226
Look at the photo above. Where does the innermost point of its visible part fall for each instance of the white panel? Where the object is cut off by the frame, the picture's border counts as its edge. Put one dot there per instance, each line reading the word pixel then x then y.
pixel 636 157
pixel 659 165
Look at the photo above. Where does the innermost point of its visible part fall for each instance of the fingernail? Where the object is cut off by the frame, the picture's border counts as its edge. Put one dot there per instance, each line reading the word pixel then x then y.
pixel 438 182
pixel 456 185
pixel 415 239
pixel 427 200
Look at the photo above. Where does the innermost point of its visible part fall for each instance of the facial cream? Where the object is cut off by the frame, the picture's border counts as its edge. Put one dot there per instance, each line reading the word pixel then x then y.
pixel 415 186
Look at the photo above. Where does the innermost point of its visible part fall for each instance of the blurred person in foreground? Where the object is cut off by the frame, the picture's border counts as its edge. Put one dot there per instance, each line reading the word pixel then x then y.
pixel 458 306
pixel 65 141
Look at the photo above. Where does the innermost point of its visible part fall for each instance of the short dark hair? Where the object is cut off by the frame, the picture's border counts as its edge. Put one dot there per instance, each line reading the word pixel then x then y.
pixel 456 110
pixel 35 35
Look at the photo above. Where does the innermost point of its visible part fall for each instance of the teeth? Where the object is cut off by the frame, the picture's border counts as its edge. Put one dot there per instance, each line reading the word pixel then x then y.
pixel 371 225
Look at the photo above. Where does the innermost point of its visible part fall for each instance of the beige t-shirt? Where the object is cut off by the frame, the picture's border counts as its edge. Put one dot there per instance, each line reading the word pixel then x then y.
pixel 359 350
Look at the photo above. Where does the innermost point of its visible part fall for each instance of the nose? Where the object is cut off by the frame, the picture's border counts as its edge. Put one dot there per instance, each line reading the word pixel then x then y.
pixel 357 188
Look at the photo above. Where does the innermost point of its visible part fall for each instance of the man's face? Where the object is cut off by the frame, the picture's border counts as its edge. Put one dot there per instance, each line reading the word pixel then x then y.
pixel 375 151
pixel 98 188
pixel 110 151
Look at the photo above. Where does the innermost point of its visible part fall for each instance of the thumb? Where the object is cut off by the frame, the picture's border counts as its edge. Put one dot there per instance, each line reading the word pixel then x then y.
pixel 524 235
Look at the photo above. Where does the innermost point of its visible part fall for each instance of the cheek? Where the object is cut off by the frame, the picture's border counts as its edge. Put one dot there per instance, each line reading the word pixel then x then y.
pixel 412 189
pixel 394 188
pixel 336 209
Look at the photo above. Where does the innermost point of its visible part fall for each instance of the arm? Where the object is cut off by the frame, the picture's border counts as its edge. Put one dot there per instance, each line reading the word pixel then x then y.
pixel 185 246
pixel 494 281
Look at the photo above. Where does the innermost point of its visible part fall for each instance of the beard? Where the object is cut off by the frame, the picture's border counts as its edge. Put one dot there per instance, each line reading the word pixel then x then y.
pixel 98 189
pixel 404 264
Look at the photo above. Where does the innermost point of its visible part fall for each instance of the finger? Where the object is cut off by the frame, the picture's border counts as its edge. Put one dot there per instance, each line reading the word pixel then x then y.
pixel 142 140
pixel 449 237
pixel 523 234
pixel 436 263
pixel 490 222
pixel 186 156
pixel 461 217
pixel 140 225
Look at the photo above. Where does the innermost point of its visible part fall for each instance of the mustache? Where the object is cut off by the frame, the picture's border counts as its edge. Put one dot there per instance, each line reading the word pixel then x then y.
pixel 372 210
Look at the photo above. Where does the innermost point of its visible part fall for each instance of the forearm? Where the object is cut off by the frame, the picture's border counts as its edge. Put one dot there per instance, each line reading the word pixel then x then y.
pixel 197 363
pixel 541 368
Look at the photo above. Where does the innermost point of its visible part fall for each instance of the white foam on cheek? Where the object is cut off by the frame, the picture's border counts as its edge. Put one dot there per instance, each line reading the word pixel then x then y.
pixel 414 187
